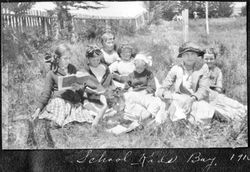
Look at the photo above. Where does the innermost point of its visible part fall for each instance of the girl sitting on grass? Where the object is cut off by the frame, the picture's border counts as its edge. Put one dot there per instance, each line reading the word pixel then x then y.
pixel 64 106
pixel 121 69
pixel 229 108
pixel 102 74
pixel 190 81
pixel 140 102
pixel 109 48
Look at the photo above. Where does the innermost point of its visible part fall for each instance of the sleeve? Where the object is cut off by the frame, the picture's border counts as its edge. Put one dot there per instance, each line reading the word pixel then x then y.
pixel 128 82
pixel 113 67
pixel 168 81
pixel 203 86
pixel 47 91
pixel 117 58
pixel 107 78
pixel 219 79
pixel 151 84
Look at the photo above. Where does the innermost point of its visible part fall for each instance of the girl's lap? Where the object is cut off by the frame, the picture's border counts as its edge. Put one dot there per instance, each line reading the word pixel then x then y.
pixel 63 112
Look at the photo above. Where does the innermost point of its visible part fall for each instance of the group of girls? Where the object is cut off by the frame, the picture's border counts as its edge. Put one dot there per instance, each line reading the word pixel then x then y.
pixel 196 81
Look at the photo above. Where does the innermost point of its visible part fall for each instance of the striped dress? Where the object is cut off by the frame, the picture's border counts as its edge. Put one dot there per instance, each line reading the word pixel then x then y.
pixel 56 107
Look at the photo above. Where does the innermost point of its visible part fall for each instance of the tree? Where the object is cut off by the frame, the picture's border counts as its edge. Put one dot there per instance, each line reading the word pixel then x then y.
pixel 64 18
pixel 62 10
pixel 18 7
pixel 216 9
pixel 220 9
pixel 198 6
pixel 163 9
pixel 243 11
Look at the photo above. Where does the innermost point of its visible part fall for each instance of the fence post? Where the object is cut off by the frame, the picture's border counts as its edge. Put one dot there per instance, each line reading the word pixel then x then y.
pixel 3 19
pixel 136 24
pixel 29 20
pixel 23 23
pixel 45 25
pixel 207 26
pixel 107 24
pixel 185 26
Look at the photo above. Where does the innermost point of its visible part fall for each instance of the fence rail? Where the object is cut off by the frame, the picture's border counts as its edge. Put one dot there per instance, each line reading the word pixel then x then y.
pixel 39 19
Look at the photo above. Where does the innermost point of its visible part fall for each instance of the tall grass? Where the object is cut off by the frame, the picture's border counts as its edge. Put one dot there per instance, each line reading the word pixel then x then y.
pixel 23 82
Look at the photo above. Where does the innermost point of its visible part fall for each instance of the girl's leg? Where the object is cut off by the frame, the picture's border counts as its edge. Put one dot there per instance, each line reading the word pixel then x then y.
pixel 101 111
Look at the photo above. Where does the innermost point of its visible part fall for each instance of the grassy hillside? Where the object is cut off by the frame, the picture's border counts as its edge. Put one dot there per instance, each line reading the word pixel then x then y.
pixel 23 79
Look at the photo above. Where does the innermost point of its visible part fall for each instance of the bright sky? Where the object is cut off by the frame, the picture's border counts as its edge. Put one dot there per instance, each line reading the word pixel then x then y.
pixel 125 9
pixel 239 4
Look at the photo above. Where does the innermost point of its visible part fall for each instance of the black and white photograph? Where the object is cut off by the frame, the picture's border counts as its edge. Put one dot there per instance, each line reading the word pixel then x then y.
pixel 124 74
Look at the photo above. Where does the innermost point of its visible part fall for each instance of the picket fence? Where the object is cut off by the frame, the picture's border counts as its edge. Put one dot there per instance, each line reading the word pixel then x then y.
pixel 39 19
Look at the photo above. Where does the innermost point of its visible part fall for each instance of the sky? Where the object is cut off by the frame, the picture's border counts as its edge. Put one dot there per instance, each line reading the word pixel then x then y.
pixel 127 9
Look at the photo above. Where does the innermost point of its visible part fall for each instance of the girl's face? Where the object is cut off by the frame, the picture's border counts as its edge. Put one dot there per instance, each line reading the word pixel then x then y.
pixel 126 54
pixel 209 59
pixel 140 66
pixel 190 58
pixel 109 43
pixel 95 61
pixel 64 62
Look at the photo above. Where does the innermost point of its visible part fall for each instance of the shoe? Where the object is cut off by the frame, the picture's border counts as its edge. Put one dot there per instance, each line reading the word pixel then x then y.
pixel 219 117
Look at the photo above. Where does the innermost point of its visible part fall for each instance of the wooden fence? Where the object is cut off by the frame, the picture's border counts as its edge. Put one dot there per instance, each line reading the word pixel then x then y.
pixel 39 19
pixel 28 21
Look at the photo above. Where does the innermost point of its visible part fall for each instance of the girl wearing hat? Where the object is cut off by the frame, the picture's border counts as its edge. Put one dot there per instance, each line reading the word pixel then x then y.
pixel 121 69
pixel 109 53
pixel 229 108
pixel 140 101
pixel 190 81
pixel 64 106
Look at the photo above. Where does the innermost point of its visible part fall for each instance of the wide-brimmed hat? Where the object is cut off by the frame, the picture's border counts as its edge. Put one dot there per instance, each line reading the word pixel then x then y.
pixel 190 47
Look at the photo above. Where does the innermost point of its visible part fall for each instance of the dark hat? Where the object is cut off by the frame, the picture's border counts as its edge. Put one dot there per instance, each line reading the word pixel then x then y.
pixel 93 51
pixel 190 47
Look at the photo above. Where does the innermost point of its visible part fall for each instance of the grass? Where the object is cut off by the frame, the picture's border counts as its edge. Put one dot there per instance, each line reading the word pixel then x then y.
pixel 23 83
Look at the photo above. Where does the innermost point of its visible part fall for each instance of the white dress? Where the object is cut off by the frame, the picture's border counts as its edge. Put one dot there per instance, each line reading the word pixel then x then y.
pixel 98 71
pixel 200 110
pixel 110 58
pixel 124 68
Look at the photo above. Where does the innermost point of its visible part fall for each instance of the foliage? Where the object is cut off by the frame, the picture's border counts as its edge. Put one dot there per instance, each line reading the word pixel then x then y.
pixel 65 18
pixel 24 44
pixel 163 9
pixel 243 10
pixel 18 7
pixel 167 9
pixel 220 9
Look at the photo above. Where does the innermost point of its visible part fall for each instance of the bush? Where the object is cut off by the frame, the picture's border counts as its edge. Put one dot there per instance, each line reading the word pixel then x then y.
pixel 243 11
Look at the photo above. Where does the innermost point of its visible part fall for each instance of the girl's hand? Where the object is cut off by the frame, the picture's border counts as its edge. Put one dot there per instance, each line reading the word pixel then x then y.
pixel 104 101
pixel 167 95
pixel 188 104
pixel 115 76
pixel 76 86
pixel 36 114
pixel 95 122
pixel 101 112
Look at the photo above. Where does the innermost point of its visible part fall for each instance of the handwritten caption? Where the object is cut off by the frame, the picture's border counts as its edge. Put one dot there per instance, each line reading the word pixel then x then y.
pixel 143 159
